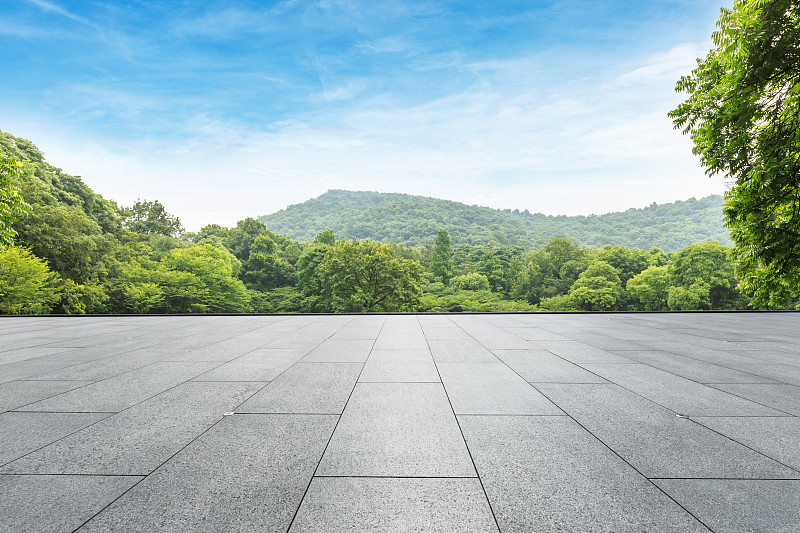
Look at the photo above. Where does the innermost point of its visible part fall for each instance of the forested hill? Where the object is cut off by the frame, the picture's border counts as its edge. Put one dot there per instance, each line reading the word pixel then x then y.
pixel 415 220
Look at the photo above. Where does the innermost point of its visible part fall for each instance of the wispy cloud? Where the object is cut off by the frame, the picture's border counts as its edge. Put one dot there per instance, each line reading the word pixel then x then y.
pixel 49 7
pixel 228 110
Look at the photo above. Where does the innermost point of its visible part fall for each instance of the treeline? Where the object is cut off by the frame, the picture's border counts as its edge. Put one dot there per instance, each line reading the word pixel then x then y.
pixel 77 252
pixel 415 221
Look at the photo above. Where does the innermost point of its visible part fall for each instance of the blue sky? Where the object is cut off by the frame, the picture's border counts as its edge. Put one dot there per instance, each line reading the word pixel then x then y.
pixel 223 110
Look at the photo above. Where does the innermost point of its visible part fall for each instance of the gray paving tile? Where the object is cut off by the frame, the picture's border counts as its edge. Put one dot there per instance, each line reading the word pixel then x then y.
pixel 264 364
pixel 357 333
pixel 548 474
pixel 397 429
pixel 17 394
pixel 22 433
pixel 739 506
pixel 339 505
pixel 460 351
pixel 400 365
pixel 138 440
pixel 781 373
pixel 679 394
pixel 693 369
pixel 32 367
pixel 443 334
pixel 221 351
pixel 312 388
pixel 248 473
pixel 775 437
pixel 541 366
pixel 401 341
pixel 780 396
pixel 536 334
pixel 55 503
pixel 24 354
pixel 367 321
pixel 492 389
pixel 109 367
pixel 340 351
pixel 710 355
pixel 121 392
pixel 579 352
pixel 436 321
pixel 654 440
pixel 491 336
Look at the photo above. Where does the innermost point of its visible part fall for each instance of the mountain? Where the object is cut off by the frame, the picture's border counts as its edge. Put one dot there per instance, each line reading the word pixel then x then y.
pixel 415 220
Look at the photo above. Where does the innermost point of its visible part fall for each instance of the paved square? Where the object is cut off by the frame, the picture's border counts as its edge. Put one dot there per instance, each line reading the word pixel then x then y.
pixel 447 423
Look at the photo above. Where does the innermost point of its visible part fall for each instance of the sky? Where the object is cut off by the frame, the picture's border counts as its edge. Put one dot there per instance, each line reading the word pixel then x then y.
pixel 224 110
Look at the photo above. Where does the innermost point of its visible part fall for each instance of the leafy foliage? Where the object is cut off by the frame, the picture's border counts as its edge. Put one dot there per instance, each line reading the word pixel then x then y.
pixel 27 286
pixel 416 221
pixel 150 217
pixel 743 115
pixel 442 266
pixel 12 205
pixel 100 265
pixel 367 276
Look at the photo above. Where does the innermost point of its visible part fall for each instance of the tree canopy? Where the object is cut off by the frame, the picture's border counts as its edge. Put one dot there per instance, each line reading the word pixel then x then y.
pixel 743 115
pixel 12 204
pixel 416 220
pixel 150 217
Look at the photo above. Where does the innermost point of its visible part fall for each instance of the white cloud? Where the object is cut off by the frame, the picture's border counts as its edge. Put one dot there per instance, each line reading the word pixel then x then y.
pixel 591 145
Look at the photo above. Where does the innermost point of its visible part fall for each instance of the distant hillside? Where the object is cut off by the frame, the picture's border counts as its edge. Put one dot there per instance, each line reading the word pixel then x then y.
pixel 415 220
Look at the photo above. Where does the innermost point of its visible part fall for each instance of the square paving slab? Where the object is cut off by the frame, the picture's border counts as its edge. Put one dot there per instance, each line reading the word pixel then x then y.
pixel 616 422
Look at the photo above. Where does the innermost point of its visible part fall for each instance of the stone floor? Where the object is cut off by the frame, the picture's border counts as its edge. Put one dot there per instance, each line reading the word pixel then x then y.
pixel 462 423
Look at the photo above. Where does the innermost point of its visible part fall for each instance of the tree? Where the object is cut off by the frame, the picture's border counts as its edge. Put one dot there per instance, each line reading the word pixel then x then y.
pixel 240 239
pixel 264 270
pixel 12 205
pixel 705 267
pixel 651 287
pixel 597 288
pixel 142 297
pixel 442 266
pixel 366 276
pixel 199 279
pixel 325 237
pixel 65 237
pixel 150 217
pixel 743 115
pixel 470 282
pixel 27 286
pixel 491 267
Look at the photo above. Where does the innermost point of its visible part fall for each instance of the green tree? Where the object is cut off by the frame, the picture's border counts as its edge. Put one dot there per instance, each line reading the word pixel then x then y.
pixel 651 287
pixel 490 266
pixel 240 239
pixel 150 217
pixel 366 276
pixel 81 298
pixel 470 282
pixel 142 297
pixel 743 115
pixel 70 241
pixel 12 205
pixel 597 288
pixel 705 266
pixel 200 279
pixel 27 286
pixel 264 270
pixel 442 266
pixel 325 237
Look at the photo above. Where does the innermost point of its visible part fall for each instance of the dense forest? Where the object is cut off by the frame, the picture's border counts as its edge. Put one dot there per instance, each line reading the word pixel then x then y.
pixel 415 221
pixel 77 252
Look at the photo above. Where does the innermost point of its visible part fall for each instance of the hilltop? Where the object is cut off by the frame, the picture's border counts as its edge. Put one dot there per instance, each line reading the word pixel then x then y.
pixel 415 220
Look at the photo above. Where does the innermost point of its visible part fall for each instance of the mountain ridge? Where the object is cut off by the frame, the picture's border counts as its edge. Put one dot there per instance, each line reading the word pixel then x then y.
pixel 414 220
